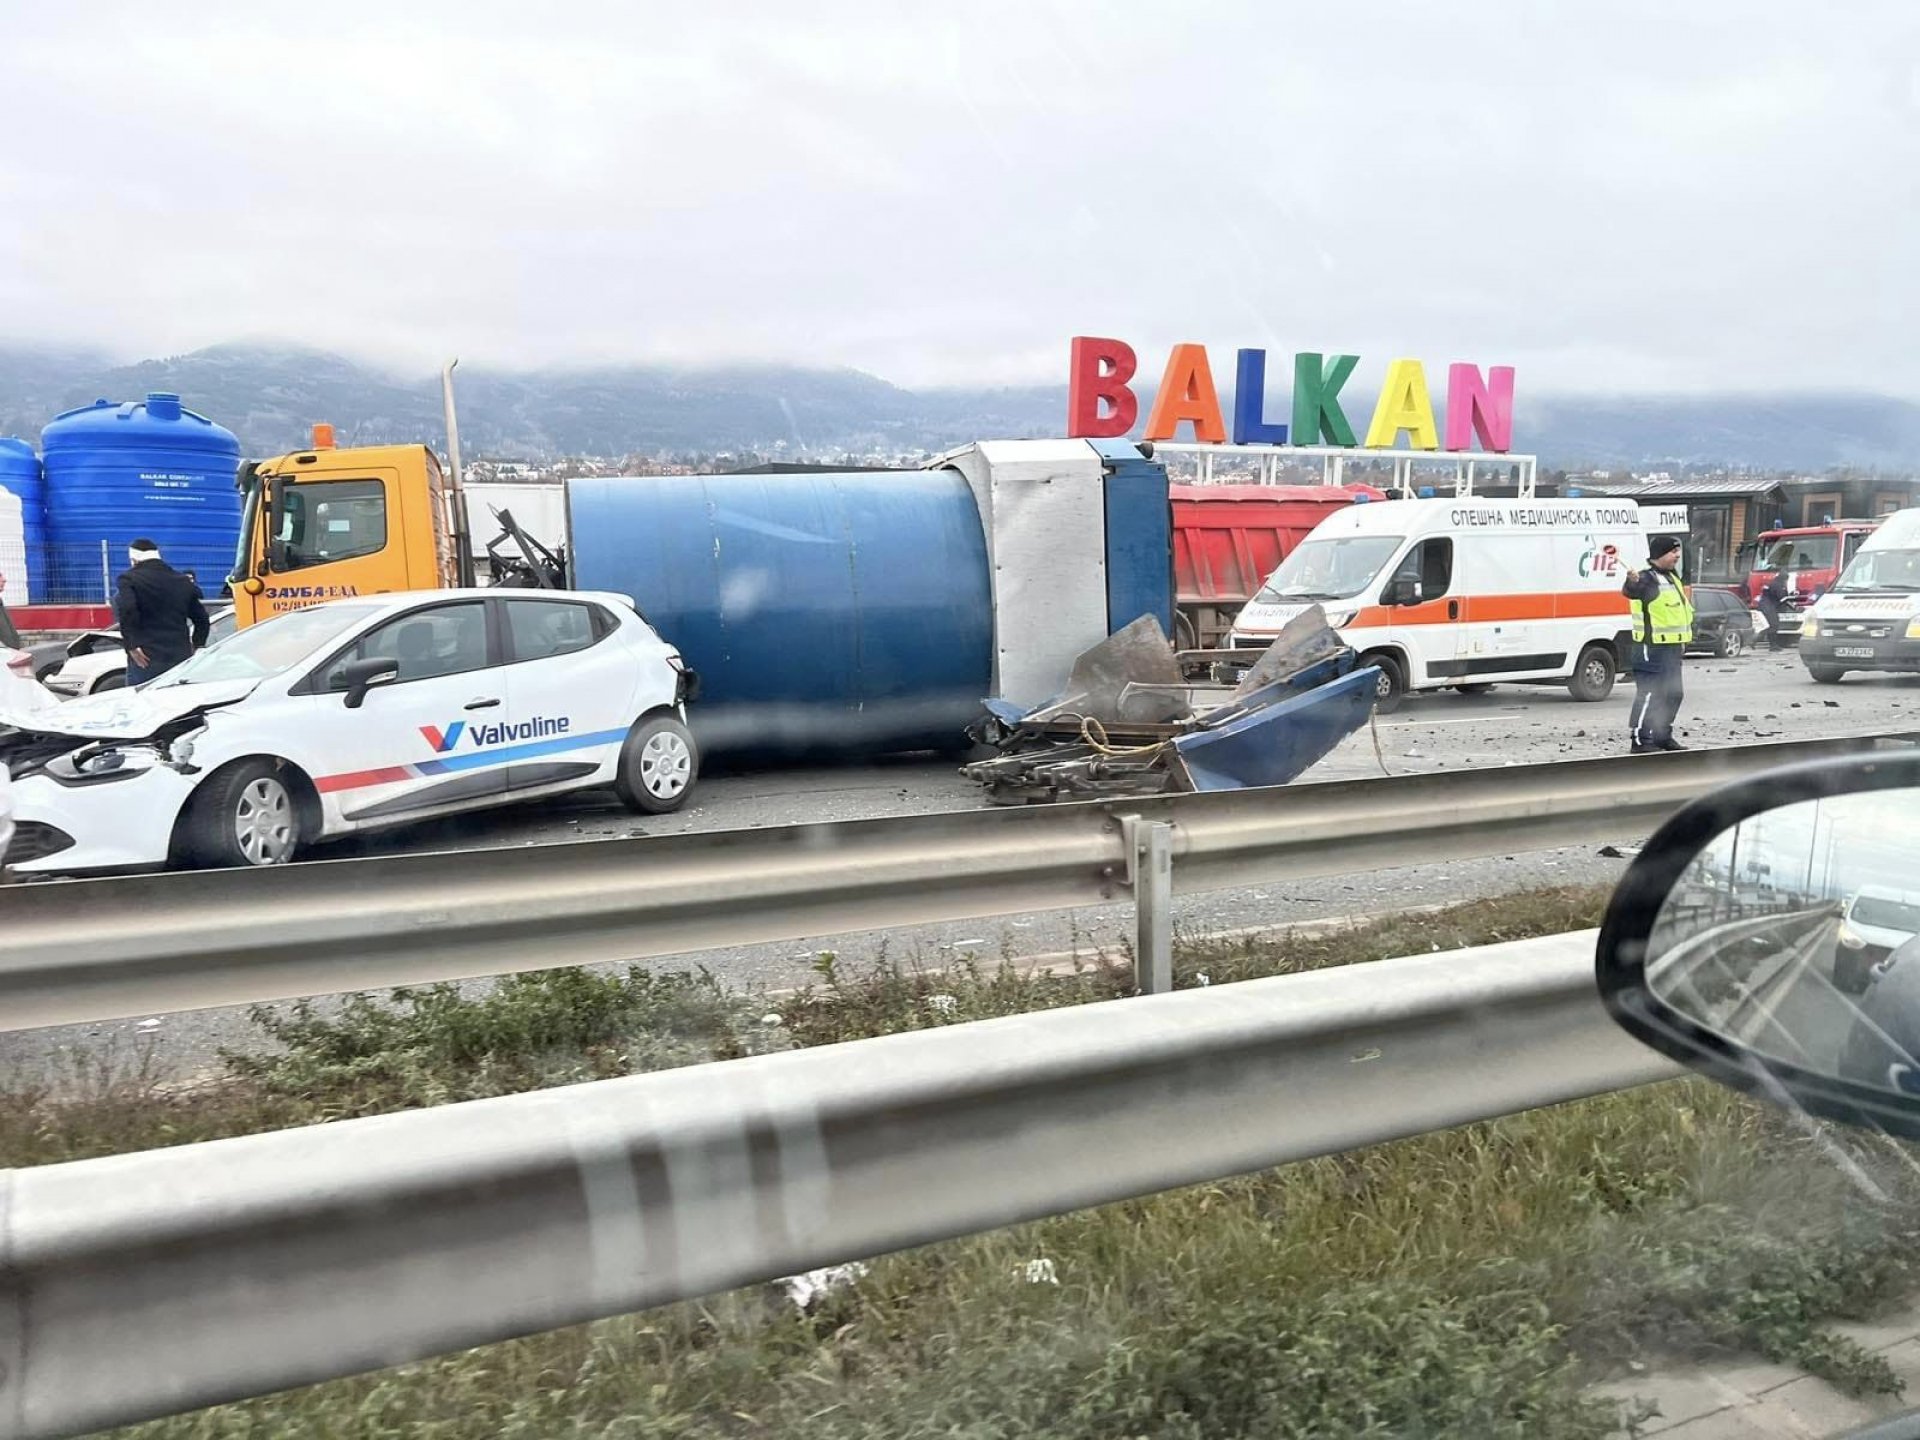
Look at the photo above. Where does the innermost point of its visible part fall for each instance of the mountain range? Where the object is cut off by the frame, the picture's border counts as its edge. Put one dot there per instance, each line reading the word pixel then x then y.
pixel 270 396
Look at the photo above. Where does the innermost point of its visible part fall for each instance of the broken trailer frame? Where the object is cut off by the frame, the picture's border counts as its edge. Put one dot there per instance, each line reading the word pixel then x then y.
pixel 1131 721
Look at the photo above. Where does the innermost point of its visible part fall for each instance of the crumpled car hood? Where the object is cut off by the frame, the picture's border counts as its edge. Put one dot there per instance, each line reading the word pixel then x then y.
pixel 126 714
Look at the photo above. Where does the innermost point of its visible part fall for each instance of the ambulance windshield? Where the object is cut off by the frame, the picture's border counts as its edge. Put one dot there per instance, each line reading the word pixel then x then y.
pixel 1329 569
pixel 1896 571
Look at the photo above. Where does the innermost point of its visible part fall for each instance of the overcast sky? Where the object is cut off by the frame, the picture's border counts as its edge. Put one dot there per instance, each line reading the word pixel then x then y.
pixel 1609 196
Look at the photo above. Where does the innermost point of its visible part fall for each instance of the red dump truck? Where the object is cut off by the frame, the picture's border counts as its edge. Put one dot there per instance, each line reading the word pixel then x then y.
pixel 1228 538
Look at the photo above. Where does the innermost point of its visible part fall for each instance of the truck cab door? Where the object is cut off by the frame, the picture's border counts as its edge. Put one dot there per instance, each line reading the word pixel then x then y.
pixel 330 539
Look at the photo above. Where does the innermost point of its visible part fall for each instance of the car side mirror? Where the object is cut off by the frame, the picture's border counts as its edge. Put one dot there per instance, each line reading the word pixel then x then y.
pixel 1768 936
pixel 357 677
pixel 1402 590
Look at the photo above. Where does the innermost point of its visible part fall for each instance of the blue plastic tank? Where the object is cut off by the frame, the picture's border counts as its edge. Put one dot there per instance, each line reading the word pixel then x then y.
pixel 834 611
pixel 20 473
pixel 146 469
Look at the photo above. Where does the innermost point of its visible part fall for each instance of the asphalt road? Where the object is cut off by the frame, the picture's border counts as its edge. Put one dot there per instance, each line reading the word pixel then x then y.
pixel 1757 697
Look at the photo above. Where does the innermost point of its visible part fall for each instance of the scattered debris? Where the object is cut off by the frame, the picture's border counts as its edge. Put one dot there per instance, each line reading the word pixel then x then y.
pixel 809 1289
pixel 1039 1272
pixel 772 1018
pixel 945 1004
pixel 148 1026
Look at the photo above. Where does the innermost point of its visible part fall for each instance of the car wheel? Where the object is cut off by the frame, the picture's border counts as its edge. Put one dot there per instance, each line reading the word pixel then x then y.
pixel 245 816
pixel 1391 688
pixel 1732 642
pixel 112 680
pixel 659 763
pixel 1593 674
pixel 1826 674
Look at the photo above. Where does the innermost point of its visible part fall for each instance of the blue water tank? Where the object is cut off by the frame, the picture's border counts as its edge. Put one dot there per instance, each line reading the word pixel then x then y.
pixel 20 473
pixel 822 611
pixel 145 469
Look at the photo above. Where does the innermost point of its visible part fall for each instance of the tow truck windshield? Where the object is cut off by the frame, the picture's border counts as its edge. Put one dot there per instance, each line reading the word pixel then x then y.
pixel 1329 569
pixel 268 648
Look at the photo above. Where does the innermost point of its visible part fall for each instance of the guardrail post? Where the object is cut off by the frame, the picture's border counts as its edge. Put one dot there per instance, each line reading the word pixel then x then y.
pixel 1150 868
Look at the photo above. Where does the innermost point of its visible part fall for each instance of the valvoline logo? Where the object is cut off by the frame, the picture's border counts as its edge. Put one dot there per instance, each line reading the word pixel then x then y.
pixel 538 728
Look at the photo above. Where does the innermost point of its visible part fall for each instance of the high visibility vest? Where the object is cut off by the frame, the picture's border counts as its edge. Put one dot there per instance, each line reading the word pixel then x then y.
pixel 1669 613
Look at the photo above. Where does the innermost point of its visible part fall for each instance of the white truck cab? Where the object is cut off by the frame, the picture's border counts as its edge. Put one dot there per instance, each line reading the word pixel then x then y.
pixel 1466 592
pixel 1870 618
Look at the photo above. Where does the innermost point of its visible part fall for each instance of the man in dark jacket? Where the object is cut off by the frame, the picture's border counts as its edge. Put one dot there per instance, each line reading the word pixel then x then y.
pixel 1772 595
pixel 1662 626
pixel 162 621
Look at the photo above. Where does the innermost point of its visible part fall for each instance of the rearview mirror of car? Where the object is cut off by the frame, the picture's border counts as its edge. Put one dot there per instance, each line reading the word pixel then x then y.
pixel 1402 590
pixel 356 677
pixel 1768 936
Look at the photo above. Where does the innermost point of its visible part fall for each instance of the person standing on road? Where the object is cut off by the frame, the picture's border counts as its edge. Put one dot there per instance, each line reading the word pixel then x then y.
pixel 1768 605
pixel 162 620
pixel 1662 627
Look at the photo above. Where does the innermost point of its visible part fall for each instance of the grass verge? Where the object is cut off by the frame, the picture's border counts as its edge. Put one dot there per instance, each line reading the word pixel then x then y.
pixel 1464 1283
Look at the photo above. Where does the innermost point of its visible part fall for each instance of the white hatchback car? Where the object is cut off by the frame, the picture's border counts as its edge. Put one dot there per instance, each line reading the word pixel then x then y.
pixel 97 660
pixel 350 716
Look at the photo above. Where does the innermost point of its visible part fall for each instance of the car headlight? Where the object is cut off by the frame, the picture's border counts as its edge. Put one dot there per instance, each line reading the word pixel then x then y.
pixel 1809 627
pixel 1913 628
pixel 1851 938
pixel 101 762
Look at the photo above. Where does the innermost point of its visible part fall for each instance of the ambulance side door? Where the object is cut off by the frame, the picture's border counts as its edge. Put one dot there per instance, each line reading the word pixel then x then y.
pixel 1429 629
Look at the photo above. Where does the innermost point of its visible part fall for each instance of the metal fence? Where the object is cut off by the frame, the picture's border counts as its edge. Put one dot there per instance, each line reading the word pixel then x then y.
pixel 100 949
pixel 150 1283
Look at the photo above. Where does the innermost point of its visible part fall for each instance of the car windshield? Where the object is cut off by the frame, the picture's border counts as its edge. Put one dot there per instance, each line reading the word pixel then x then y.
pixel 1329 569
pixel 1896 571
pixel 268 648
pixel 1797 552
pixel 1887 913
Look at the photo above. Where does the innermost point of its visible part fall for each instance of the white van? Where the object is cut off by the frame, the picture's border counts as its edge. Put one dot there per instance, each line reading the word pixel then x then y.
pixel 1869 619
pixel 1465 592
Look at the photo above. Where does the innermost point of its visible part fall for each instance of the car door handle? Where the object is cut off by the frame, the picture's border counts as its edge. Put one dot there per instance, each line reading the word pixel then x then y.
pixel 1453 609
pixel 481 704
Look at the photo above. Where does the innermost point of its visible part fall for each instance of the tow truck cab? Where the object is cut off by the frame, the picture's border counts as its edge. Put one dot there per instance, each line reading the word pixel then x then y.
pixel 324 523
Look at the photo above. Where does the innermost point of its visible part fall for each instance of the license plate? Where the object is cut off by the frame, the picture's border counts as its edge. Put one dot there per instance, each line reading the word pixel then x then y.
pixel 1853 652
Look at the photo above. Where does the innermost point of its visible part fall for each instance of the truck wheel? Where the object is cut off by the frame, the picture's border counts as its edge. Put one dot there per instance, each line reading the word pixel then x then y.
pixel 1593 674
pixel 244 816
pixel 1825 674
pixel 1391 687
pixel 658 765
pixel 1186 635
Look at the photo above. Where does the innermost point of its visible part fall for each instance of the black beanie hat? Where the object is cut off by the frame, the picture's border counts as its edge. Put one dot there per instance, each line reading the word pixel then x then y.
pixel 1662 545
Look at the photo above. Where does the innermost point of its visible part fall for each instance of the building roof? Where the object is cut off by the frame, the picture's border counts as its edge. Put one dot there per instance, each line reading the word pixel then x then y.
pixel 1702 488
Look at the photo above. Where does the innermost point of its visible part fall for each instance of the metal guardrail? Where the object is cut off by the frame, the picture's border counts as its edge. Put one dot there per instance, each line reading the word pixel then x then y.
pixel 101 949
pixel 156 1282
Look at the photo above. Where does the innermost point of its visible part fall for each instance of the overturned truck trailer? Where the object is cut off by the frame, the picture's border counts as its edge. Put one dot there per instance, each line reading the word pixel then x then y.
pixel 1130 722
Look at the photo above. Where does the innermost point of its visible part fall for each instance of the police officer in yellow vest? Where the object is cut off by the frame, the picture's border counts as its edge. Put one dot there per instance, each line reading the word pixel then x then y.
pixel 1662 626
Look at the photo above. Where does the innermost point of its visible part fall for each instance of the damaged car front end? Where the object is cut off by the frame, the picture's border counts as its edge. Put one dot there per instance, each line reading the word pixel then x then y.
pixel 100 784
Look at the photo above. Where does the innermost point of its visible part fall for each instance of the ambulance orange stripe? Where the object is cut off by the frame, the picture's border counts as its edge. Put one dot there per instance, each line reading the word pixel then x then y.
pixel 1488 609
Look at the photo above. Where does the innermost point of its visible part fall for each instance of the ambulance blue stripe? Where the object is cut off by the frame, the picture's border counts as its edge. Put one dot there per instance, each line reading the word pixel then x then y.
pixel 506 754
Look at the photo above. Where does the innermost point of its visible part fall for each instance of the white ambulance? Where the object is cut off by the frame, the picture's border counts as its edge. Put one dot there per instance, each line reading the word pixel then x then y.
pixel 1869 619
pixel 1465 592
